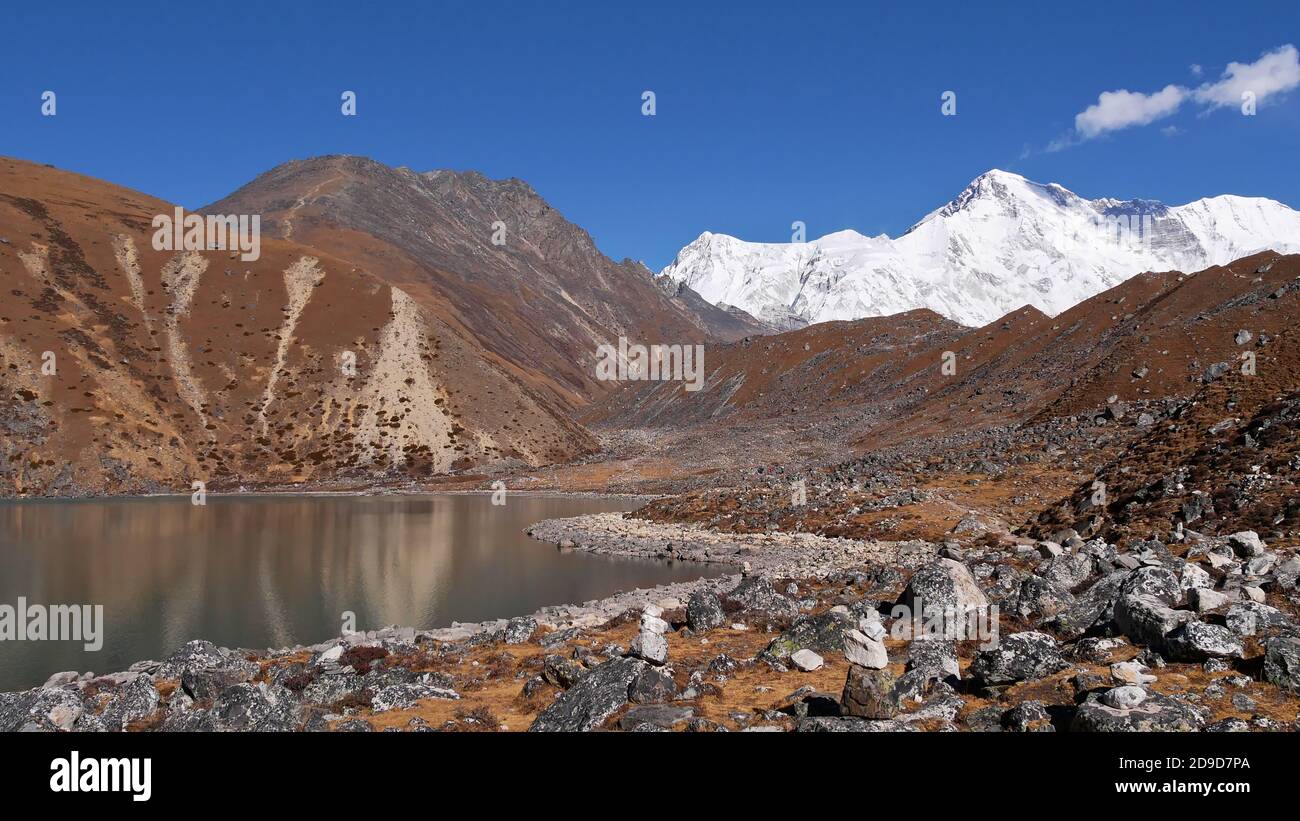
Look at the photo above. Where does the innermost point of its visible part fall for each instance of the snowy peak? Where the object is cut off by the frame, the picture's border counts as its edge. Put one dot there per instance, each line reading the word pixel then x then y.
pixel 1003 242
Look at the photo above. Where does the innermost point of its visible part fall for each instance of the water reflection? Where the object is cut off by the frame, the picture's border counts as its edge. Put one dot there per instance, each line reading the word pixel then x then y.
pixel 272 571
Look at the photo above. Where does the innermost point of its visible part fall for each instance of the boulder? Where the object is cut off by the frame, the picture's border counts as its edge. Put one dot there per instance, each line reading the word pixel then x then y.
pixel 1198 641
pixel 560 671
pixel 652 685
pixel 1124 698
pixel 1157 713
pixel 869 694
pixel 1093 607
pixel 593 699
pixel 823 633
pixel 1027 717
pixel 1246 544
pixel 806 660
pixel 650 646
pixel 756 593
pixel 704 611
pixel 865 651
pixel 1158 582
pixel 135 701
pixel 655 717
pixel 1018 657
pixel 1068 570
pixel 946 585
pixel 1147 620
pixel 520 629
pixel 402 696
pixel 1282 662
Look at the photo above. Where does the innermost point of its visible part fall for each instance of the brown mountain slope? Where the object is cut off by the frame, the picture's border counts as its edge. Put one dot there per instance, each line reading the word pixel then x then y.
pixel 171 367
pixel 489 255
pixel 1149 337
pixel 1226 460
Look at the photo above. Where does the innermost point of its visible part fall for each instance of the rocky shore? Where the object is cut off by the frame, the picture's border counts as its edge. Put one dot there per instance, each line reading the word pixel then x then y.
pixel 808 637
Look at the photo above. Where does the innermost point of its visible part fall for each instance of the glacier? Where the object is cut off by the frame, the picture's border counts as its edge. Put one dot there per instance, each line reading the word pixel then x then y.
pixel 1004 242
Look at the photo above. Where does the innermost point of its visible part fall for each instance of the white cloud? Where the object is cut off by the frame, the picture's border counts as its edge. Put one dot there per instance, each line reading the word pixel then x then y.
pixel 1123 109
pixel 1274 73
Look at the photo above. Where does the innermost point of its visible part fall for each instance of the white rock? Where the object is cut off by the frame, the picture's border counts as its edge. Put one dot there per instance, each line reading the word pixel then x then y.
pixel 865 651
pixel 806 660
pixel 332 654
pixel 1049 549
pixel 1130 672
pixel 1124 698
pixel 653 610
pixel 1255 594
pixel 652 647
pixel 1205 599
pixel 653 624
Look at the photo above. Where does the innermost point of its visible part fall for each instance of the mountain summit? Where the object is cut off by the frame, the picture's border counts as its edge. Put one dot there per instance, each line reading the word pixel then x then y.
pixel 1003 242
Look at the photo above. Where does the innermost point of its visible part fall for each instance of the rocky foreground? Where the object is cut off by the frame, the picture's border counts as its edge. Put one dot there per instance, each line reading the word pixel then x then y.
pixel 1197 636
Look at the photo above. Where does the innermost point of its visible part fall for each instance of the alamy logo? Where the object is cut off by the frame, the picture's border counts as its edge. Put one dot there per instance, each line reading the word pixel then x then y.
pixel 213 232
pixel 656 363
pixel 77 774
pixel 58 622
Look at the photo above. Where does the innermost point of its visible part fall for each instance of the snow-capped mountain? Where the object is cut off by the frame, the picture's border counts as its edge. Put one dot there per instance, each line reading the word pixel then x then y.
pixel 1004 242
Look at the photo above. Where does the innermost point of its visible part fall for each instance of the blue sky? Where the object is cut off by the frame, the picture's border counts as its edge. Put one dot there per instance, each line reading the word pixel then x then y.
pixel 827 113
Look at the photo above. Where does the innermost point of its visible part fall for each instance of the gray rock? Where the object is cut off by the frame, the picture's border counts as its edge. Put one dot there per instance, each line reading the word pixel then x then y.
pixel 1246 544
pixel 1126 697
pixel 1282 662
pixel 402 696
pixel 704 611
pixel 1068 571
pixel 1018 657
pixel 658 716
pixel 1094 607
pixel 1198 641
pixel 1158 713
pixel 138 699
pixel 1147 620
pixel 520 629
pixel 823 633
pixel 560 671
pixel 1205 599
pixel 935 658
pixel 869 694
pixel 1027 717
pixel 1158 582
pixel 257 708
pixel 943 584
pixel 652 685
pixel 756 593
pixel 593 699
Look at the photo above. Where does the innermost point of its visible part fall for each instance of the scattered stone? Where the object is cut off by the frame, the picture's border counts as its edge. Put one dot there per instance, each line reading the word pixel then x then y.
pixel 869 694
pixel 1019 657
pixel 1282 663
pixel 1157 713
pixel 704 611
pixel 593 699
pixel 1131 673
pixel 864 651
pixel 806 660
pixel 1124 698
pixel 520 629
pixel 1197 641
